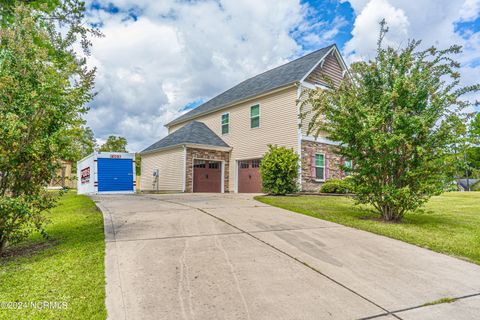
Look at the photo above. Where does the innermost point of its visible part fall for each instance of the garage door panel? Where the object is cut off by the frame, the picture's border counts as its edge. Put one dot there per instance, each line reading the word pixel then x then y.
pixel 207 176
pixel 249 178
pixel 115 174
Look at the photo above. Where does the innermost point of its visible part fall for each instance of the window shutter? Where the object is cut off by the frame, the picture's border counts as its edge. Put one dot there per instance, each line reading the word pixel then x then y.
pixel 327 171
pixel 313 172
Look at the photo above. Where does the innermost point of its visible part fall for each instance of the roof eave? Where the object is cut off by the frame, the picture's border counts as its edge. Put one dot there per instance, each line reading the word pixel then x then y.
pixel 187 145
pixel 178 145
pixel 291 84
pixel 207 147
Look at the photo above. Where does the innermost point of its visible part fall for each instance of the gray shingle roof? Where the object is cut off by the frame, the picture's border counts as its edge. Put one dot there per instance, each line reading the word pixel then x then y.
pixel 193 133
pixel 275 78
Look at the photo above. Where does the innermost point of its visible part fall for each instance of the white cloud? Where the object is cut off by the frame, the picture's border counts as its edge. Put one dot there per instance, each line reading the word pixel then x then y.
pixel 366 27
pixel 470 10
pixel 177 52
pixel 431 21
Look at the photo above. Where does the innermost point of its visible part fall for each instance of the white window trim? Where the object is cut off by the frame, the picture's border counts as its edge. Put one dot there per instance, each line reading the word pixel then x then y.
pixel 351 168
pixel 221 123
pixel 324 166
pixel 259 116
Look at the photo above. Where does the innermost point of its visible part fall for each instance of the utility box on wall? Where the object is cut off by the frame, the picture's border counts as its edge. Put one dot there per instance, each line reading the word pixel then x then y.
pixel 106 172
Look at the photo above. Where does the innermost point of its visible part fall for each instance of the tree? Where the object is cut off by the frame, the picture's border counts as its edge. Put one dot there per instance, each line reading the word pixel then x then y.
pixel 392 117
pixel 138 164
pixel 114 144
pixel 279 170
pixel 473 153
pixel 44 86
pixel 475 127
pixel 82 144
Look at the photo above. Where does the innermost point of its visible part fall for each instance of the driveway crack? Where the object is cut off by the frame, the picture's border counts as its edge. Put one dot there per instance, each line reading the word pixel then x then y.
pixel 387 312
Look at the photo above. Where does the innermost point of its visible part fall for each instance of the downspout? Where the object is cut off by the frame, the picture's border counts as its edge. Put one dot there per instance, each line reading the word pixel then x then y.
pixel 184 168
pixel 299 134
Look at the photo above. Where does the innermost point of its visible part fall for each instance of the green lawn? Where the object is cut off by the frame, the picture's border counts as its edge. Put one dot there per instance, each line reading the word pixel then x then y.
pixel 68 268
pixel 449 223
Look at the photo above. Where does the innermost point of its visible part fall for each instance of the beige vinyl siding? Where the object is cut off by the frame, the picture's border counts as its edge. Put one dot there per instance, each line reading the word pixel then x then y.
pixel 330 68
pixel 308 115
pixel 278 125
pixel 171 167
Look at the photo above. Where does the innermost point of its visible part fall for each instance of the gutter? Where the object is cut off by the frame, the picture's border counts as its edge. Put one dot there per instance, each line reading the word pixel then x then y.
pixel 188 145
pixel 175 122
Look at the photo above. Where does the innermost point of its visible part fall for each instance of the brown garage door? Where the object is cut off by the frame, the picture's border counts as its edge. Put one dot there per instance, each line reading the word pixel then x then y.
pixel 249 179
pixel 207 176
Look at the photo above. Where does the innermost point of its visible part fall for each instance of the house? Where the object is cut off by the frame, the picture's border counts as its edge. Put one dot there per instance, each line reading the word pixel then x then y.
pixel 217 147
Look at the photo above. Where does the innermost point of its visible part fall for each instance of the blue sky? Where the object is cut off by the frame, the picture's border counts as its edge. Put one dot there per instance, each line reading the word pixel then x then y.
pixel 160 58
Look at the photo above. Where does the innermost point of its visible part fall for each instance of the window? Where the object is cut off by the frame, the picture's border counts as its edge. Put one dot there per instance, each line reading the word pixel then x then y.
pixel 213 165
pixel 348 167
pixel 199 164
pixel 320 166
pixel 243 164
pixel 255 116
pixel 256 163
pixel 225 123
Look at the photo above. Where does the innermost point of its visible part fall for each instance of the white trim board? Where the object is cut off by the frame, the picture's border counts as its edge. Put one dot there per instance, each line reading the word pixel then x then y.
pixel 321 140
pixel 184 184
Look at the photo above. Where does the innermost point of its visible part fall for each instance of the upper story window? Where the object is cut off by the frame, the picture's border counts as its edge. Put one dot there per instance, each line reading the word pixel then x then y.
pixel 320 166
pixel 225 123
pixel 255 116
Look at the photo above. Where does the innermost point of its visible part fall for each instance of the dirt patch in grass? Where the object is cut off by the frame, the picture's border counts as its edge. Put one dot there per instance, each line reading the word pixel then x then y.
pixel 27 250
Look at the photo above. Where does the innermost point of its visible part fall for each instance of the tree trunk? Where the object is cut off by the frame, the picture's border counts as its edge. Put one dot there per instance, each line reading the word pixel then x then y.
pixel 390 214
pixel 3 245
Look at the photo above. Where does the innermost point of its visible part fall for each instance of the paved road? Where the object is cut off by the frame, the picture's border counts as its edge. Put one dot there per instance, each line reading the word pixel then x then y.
pixel 205 256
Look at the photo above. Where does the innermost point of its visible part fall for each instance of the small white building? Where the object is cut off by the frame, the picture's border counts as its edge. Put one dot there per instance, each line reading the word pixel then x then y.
pixel 106 172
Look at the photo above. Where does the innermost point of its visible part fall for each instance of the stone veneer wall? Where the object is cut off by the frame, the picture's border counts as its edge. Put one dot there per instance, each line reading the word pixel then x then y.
pixel 206 155
pixel 309 148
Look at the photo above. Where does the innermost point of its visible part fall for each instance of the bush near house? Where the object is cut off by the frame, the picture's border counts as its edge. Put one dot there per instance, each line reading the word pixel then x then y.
pixel 279 170
pixel 342 186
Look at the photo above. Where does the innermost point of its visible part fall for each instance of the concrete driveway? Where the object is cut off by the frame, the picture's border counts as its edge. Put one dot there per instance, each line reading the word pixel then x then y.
pixel 205 256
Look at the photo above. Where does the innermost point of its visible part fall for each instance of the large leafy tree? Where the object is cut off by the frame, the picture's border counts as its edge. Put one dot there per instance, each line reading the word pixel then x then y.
pixel 393 116
pixel 475 127
pixel 473 152
pixel 114 144
pixel 44 86
pixel 83 143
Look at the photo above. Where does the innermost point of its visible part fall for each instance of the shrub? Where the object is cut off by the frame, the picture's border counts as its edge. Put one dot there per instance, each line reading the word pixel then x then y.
pixel 338 186
pixel 279 170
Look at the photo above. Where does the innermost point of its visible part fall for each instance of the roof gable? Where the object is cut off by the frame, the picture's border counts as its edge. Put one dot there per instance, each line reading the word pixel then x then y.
pixel 193 133
pixel 278 77
pixel 330 66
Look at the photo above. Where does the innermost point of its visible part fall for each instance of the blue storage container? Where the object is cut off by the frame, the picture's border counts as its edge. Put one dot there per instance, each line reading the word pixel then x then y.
pixel 106 172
